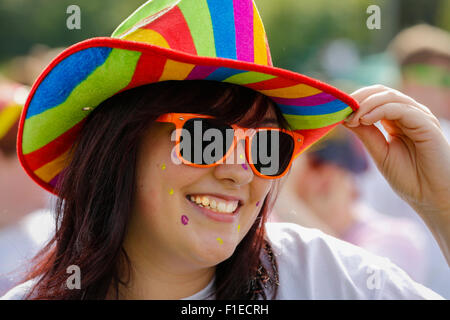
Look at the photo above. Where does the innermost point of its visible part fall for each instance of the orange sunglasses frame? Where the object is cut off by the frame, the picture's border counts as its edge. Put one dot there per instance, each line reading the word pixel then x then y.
pixel 179 119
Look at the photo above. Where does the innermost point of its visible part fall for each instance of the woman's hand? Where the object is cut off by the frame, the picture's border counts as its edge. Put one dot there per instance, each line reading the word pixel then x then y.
pixel 416 158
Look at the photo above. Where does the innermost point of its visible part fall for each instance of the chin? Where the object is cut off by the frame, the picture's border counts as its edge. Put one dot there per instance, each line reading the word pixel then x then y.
pixel 215 253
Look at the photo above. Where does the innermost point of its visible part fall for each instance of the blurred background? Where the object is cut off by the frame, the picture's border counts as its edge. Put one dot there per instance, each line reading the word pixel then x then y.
pixel 326 39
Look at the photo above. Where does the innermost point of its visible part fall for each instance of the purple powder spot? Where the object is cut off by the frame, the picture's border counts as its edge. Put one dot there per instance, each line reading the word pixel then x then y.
pixel 257 204
pixel 184 219
pixel 244 166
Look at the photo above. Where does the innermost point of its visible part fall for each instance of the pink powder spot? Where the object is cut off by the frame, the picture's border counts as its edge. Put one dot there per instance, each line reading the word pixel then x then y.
pixel 257 204
pixel 244 166
pixel 184 219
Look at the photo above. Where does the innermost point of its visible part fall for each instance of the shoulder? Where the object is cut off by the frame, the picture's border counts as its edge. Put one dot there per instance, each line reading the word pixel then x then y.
pixel 20 291
pixel 314 265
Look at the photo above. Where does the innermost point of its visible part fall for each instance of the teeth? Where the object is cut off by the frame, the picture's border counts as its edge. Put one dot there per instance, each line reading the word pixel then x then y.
pixel 218 206
pixel 221 207
pixel 231 207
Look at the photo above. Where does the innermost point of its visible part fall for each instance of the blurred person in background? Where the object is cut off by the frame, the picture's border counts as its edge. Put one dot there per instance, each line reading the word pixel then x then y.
pixel 26 68
pixel 325 183
pixel 24 225
pixel 423 56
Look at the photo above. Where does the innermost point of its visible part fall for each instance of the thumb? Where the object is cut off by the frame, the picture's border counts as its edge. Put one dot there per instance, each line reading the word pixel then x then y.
pixel 374 141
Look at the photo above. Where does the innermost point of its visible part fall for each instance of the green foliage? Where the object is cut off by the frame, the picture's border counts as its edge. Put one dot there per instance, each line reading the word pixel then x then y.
pixel 297 29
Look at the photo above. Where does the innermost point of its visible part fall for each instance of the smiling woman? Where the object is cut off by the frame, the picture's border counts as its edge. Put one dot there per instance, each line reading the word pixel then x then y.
pixel 129 202
pixel 97 132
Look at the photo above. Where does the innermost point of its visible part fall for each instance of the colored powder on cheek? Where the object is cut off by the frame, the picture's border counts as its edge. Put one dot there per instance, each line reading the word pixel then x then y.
pixel 163 167
pixel 184 219
pixel 244 166
pixel 171 191
pixel 257 204
pixel 239 227
pixel 219 240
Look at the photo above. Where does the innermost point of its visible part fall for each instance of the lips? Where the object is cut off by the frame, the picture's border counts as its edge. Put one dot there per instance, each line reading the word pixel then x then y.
pixel 217 207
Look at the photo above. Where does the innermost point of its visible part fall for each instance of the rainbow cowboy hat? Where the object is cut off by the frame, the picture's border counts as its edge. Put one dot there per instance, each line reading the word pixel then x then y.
pixel 221 40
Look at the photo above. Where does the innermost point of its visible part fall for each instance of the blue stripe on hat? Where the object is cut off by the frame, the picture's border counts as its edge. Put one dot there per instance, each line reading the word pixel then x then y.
pixel 326 108
pixel 222 17
pixel 64 77
pixel 223 73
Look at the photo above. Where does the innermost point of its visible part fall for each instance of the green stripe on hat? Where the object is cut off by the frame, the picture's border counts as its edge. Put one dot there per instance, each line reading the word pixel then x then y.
pixel 119 67
pixel 248 77
pixel 147 9
pixel 317 121
pixel 202 34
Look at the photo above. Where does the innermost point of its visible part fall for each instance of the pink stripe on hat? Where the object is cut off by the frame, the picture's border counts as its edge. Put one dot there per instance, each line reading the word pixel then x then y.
pixel 243 20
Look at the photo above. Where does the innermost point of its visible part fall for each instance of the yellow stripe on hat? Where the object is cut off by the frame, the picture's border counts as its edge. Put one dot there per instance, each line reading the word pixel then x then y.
pixel 258 38
pixel 8 117
pixel 174 70
pixel 48 171
pixel 298 91
pixel 148 36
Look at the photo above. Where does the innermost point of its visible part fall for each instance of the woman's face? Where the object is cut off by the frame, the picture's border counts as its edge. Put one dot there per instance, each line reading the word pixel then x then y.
pixel 167 224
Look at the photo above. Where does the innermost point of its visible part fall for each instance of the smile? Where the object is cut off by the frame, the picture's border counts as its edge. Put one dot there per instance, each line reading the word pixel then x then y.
pixel 215 207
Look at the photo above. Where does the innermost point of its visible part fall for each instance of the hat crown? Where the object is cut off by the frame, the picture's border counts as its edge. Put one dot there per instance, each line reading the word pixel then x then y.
pixel 230 29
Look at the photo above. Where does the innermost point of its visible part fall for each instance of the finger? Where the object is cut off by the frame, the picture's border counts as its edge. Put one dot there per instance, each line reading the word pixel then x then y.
pixel 380 98
pixel 373 140
pixel 412 121
pixel 361 94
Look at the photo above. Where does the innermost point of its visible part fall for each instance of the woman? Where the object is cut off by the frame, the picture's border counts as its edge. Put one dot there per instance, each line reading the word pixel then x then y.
pixel 146 212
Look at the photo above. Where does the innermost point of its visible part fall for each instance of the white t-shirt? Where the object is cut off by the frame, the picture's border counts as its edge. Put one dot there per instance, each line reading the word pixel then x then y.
pixel 20 242
pixel 313 265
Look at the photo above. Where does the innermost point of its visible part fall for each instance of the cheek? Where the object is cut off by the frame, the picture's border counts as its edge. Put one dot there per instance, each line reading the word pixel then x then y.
pixel 259 191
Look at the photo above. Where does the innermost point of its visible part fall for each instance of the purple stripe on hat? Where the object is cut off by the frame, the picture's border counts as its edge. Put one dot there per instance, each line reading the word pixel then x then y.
pixel 55 180
pixel 201 72
pixel 314 100
pixel 243 21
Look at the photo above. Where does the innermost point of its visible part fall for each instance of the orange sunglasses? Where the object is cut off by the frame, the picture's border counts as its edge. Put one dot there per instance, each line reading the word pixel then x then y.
pixel 283 144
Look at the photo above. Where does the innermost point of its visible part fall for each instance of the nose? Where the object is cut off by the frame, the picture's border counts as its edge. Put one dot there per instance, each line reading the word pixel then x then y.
pixel 235 170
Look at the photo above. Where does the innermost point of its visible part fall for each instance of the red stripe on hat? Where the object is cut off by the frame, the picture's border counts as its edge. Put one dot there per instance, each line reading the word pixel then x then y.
pixel 274 83
pixel 178 36
pixel 53 150
pixel 148 70
pixel 311 135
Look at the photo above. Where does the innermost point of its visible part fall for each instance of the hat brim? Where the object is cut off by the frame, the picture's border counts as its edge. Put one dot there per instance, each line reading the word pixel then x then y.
pixel 89 72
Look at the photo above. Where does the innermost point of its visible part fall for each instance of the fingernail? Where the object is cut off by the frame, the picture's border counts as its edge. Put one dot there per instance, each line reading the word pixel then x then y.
pixel 350 118
pixel 350 124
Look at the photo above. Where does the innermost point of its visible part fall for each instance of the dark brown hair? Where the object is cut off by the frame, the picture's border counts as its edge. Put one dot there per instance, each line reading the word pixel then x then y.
pixel 98 187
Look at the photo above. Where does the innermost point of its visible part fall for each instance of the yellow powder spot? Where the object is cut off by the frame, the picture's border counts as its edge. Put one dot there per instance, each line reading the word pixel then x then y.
pixel 239 227
pixel 241 156
pixel 219 240
pixel 163 167
pixel 171 191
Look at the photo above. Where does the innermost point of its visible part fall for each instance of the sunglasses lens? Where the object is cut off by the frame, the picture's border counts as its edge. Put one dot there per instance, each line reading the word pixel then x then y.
pixel 205 141
pixel 271 151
